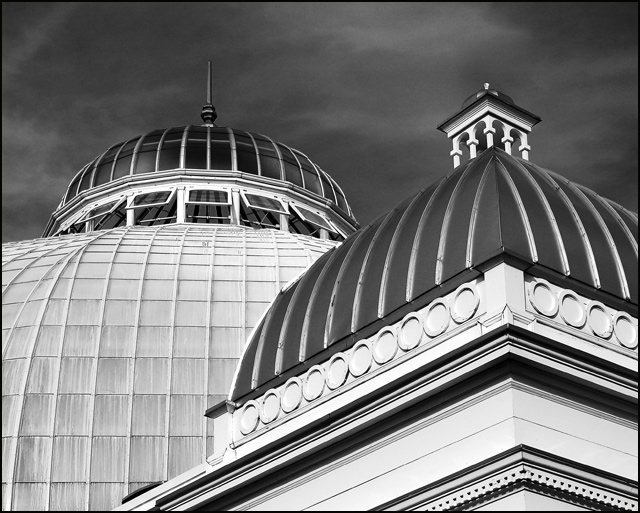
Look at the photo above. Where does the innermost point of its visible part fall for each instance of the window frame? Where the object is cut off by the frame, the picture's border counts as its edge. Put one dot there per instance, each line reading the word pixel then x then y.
pixel 248 203
pixel 130 204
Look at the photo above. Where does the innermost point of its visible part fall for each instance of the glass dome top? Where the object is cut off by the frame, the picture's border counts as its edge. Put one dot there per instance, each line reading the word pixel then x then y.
pixel 206 148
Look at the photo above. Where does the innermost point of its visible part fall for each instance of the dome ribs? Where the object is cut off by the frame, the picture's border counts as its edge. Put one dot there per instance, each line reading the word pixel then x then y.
pixel 514 226
pixel 290 351
pixel 368 289
pixel 485 238
pixel 315 320
pixel 243 380
pixel 393 291
pixel 424 252
pixel 265 364
pixel 573 235
pixel 544 228
pixel 625 247
pixel 344 289
pixel 452 248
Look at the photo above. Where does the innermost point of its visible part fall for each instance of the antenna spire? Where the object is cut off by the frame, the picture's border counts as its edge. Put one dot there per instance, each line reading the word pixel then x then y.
pixel 208 114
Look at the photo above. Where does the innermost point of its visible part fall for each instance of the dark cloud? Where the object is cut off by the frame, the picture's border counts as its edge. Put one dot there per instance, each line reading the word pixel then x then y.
pixel 358 87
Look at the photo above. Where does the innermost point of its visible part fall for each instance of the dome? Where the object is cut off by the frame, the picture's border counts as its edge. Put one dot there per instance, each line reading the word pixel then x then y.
pixel 206 175
pixel 114 344
pixel 494 207
pixel 483 92
pixel 206 148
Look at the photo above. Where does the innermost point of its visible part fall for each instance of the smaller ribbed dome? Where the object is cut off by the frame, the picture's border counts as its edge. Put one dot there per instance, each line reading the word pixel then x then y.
pixel 494 206
pixel 483 92
pixel 209 149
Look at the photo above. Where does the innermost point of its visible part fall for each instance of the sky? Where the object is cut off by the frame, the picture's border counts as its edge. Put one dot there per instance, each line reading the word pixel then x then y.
pixel 358 87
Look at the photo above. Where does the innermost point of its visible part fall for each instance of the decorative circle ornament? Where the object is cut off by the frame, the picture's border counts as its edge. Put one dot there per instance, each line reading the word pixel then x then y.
pixel 436 318
pixel 624 330
pixel 337 371
pixel 360 361
pixel 571 309
pixel 599 319
pixel 385 346
pixel 270 407
pixel 464 303
pixel 410 332
pixel 291 395
pixel 313 383
pixel 543 299
pixel 249 417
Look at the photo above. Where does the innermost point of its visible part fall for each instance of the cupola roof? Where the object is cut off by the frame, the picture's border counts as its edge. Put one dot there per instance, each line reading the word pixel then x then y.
pixel 494 207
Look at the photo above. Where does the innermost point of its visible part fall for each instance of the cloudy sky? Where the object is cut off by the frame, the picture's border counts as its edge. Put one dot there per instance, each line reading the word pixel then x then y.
pixel 358 87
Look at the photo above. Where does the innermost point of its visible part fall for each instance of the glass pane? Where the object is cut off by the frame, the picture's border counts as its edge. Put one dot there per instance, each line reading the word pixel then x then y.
pixel 156 313
pixel 67 466
pixel 76 376
pixel 196 155
pixel 108 459
pixel 264 203
pixel 328 190
pixel 187 376
pixel 84 311
pixel 123 167
pixel 314 218
pixel 80 341
pixel 73 415
pixel 73 189
pixel 158 289
pixel 85 182
pixel 37 415
pixel 154 342
pixel 208 196
pixel 145 162
pixel 169 159
pixel 88 289
pixel 151 198
pixel 42 376
pixel 291 168
pixel 182 421
pixel 191 313
pixel 120 313
pixel 150 376
pixel 147 459
pixel 189 342
pixel 117 341
pixel 32 449
pixel 148 414
pixel 67 496
pixel 108 413
pixel 113 376
pixel 226 342
pixel 193 290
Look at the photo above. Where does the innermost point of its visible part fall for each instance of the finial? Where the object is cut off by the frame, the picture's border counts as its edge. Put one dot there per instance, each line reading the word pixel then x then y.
pixel 486 85
pixel 208 114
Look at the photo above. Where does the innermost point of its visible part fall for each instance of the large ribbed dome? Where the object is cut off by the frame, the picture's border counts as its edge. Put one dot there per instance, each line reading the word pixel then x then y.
pixel 206 148
pixel 495 206
pixel 114 344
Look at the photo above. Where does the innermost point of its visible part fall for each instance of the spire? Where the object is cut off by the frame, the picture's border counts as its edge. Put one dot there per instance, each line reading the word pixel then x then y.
pixel 489 118
pixel 208 114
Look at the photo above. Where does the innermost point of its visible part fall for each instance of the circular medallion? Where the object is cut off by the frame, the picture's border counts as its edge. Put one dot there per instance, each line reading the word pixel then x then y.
pixel 572 310
pixel 410 332
pixel 436 318
pixel 270 406
pixel 249 417
pixel 313 383
pixel 543 299
pixel 291 395
pixel 599 320
pixel 625 331
pixel 385 346
pixel 337 371
pixel 360 360
pixel 464 303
